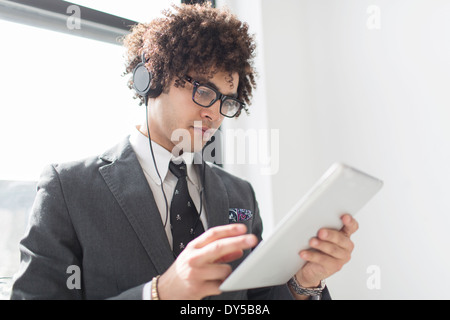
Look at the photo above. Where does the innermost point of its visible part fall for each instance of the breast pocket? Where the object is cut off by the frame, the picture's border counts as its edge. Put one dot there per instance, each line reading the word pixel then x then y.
pixel 237 215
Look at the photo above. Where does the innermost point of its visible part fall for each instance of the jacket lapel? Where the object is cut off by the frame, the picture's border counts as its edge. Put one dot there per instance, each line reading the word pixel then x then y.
pixel 127 182
pixel 215 197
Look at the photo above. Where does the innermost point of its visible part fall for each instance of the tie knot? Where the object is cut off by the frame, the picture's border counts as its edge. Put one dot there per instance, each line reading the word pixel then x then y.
pixel 179 170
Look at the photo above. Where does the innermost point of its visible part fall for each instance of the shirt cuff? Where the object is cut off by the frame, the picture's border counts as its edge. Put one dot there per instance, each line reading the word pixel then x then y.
pixel 146 292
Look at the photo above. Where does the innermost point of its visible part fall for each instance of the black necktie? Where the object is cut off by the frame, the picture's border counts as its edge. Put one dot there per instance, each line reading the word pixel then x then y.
pixel 184 219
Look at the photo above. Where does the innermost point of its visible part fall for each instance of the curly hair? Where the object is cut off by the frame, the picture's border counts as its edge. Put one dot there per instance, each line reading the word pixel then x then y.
pixel 193 38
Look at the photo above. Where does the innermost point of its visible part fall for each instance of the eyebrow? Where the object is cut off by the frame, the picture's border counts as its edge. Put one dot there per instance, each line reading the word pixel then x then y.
pixel 234 95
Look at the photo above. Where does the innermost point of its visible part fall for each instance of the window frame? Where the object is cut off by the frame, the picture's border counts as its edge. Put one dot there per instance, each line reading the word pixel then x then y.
pixel 54 15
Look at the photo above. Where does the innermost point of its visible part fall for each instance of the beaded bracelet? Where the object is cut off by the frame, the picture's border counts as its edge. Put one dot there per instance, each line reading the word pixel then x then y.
pixel 155 294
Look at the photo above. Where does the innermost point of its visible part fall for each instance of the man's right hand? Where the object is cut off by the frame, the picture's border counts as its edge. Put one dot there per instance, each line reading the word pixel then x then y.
pixel 201 268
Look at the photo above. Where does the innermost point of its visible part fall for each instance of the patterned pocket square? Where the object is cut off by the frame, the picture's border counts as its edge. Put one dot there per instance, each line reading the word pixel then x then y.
pixel 239 215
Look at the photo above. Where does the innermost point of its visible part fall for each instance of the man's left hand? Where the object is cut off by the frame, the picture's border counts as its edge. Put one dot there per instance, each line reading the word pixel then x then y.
pixel 329 252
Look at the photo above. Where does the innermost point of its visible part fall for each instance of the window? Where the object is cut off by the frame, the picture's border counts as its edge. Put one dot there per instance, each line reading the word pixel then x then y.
pixel 137 10
pixel 62 98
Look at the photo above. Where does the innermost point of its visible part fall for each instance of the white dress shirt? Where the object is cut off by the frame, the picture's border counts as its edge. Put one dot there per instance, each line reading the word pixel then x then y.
pixel 141 147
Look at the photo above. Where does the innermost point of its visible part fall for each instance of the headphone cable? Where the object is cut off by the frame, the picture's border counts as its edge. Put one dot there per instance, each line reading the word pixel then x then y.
pixel 160 179
pixel 154 162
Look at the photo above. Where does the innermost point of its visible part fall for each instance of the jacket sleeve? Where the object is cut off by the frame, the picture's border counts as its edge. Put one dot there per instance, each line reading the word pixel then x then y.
pixel 50 252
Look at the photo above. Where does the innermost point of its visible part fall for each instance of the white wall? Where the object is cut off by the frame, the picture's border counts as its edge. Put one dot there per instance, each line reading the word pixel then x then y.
pixel 342 85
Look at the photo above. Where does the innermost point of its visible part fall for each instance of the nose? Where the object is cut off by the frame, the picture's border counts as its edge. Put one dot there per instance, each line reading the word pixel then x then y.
pixel 212 113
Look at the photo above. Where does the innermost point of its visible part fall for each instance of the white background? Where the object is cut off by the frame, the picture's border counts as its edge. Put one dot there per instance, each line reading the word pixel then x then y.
pixel 377 99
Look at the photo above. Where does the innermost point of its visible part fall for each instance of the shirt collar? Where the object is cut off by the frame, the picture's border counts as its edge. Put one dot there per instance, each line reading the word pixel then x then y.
pixel 141 147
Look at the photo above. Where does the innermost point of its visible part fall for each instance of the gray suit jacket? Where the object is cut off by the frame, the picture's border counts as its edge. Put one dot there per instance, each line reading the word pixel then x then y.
pixel 100 216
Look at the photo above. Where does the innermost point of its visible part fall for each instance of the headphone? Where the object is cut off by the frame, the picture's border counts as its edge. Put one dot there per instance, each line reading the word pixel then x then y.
pixel 142 82
pixel 142 78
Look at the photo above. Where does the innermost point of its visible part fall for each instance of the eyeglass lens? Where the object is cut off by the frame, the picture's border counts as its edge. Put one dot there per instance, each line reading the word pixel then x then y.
pixel 206 97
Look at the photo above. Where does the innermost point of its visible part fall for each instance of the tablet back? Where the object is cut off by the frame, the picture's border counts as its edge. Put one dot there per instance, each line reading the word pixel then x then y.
pixel 276 259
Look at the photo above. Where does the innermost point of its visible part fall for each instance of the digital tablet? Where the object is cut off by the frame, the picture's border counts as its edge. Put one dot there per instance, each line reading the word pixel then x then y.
pixel 276 259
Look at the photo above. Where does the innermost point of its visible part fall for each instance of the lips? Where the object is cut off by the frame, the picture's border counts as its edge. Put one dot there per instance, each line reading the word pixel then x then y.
pixel 205 131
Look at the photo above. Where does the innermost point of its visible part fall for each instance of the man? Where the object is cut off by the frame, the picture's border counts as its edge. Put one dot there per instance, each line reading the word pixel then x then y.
pixel 113 227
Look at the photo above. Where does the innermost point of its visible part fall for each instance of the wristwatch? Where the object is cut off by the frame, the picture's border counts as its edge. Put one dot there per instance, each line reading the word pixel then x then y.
pixel 312 292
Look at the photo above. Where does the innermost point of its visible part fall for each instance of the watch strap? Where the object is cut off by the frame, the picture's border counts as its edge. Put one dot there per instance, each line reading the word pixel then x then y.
pixel 293 283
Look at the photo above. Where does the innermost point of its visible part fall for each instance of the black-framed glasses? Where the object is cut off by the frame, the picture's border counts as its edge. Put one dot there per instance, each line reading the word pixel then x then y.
pixel 205 96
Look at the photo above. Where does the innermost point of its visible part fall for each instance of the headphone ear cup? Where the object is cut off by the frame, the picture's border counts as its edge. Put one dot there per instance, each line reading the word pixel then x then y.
pixel 142 79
